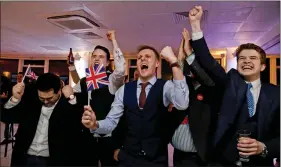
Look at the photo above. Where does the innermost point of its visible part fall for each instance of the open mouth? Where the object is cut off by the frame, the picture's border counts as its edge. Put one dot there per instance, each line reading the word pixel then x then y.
pixel 144 67
pixel 247 67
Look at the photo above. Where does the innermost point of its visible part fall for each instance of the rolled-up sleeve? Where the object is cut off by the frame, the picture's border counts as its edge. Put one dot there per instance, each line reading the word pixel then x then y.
pixel 176 92
pixel 110 122
pixel 10 104
pixel 116 79
pixel 77 88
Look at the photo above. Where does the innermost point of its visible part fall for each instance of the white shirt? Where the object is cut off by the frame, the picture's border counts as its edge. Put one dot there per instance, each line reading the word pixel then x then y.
pixel 174 91
pixel 40 145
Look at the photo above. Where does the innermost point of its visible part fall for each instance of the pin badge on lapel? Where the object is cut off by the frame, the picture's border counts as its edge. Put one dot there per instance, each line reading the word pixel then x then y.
pixel 185 121
pixel 200 97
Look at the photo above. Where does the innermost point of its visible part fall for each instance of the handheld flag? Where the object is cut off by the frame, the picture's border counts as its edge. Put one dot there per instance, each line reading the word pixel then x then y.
pixel 96 77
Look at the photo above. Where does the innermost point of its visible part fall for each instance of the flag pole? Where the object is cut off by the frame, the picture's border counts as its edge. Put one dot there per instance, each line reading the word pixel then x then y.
pixel 25 73
pixel 89 98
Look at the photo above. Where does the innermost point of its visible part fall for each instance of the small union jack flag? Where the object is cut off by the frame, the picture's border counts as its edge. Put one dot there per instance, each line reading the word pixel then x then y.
pixel 31 74
pixel 96 77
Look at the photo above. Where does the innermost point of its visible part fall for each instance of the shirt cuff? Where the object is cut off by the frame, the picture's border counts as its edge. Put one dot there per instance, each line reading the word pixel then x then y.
pixel 92 131
pixel 12 102
pixel 197 35
pixel 73 101
pixel 71 68
pixel 190 59
pixel 99 129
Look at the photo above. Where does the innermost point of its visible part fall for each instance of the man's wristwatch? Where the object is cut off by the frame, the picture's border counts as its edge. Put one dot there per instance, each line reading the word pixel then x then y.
pixel 175 64
pixel 264 151
pixel 71 97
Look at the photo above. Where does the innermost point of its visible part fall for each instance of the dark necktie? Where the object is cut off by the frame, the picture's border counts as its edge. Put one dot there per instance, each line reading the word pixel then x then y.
pixel 142 95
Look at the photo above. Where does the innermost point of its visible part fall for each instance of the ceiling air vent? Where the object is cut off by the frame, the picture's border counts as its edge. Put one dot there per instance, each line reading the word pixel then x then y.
pixel 86 35
pixel 182 16
pixel 76 20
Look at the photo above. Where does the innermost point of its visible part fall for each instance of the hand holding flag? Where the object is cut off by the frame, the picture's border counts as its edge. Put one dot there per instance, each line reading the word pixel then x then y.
pixel 30 74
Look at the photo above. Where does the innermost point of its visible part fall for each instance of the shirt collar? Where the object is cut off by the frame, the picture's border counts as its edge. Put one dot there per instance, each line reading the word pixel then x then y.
pixel 151 81
pixel 255 83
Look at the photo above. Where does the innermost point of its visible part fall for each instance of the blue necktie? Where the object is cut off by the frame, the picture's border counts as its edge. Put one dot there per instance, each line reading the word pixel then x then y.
pixel 250 100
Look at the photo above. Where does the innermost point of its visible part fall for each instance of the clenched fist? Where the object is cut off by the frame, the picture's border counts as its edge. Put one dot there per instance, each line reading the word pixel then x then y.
pixel 89 118
pixel 195 16
pixel 18 90
pixel 168 54
pixel 67 91
pixel 111 35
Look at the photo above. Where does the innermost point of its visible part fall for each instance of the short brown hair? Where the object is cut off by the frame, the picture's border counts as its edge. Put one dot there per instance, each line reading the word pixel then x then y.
pixel 143 47
pixel 254 47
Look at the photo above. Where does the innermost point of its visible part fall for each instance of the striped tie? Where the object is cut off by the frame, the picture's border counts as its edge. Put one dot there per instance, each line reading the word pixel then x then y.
pixel 250 100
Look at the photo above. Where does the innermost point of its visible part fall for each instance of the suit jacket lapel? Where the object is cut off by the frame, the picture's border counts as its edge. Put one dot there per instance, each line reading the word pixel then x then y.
pixel 55 115
pixel 232 102
pixel 263 110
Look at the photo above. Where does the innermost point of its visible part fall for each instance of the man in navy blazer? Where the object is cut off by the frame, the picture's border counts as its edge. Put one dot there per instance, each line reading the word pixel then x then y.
pixel 247 104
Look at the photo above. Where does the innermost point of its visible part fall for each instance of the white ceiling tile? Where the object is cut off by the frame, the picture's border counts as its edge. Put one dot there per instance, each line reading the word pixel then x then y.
pixel 267 4
pixel 225 43
pixel 224 5
pixel 264 14
pixel 226 16
pixel 256 26
pixel 248 35
pixel 218 36
pixel 146 8
pixel 165 6
pixel 223 27
pixel 110 10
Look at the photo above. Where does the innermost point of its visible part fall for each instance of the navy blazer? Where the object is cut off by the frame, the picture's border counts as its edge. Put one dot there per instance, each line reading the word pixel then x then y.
pixel 234 86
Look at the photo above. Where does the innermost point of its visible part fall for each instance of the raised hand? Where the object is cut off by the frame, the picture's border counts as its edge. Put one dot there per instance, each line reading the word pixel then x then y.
pixel 168 54
pixel 111 35
pixel 187 47
pixel 181 54
pixel 89 118
pixel 195 16
pixel 18 90
pixel 67 91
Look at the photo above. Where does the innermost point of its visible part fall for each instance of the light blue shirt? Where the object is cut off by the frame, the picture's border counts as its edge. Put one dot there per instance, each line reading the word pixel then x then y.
pixel 182 138
pixel 175 92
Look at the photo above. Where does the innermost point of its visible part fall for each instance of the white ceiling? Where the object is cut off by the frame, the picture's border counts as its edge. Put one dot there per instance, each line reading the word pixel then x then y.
pixel 24 27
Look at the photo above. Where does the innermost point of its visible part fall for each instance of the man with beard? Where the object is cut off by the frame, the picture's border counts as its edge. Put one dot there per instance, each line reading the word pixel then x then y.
pixel 49 130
